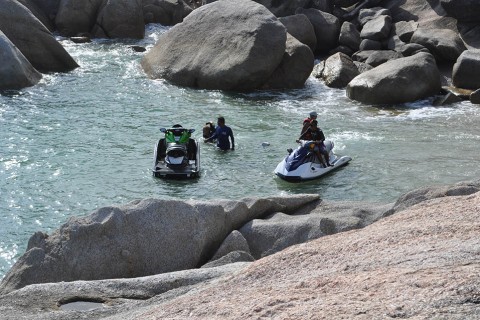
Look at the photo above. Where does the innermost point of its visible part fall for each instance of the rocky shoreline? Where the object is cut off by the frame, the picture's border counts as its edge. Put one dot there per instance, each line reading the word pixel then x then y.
pixel 291 256
pixel 380 51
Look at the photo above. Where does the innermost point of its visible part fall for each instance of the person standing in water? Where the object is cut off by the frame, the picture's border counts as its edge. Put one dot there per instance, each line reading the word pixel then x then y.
pixel 223 134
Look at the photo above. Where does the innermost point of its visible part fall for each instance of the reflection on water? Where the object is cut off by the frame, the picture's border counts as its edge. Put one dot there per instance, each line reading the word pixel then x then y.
pixel 85 139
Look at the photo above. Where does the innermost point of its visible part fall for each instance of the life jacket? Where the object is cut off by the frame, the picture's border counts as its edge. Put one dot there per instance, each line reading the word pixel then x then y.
pixel 308 136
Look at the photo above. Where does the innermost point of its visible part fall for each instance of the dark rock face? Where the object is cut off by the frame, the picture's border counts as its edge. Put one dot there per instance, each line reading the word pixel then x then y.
pixel 300 27
pixel 349 36
pixel 326 26
pixel 475 97
pixel 466 71
pixel 339 71
pixel 377 29
pixel 33 39
pixel 165 12
pixel 398 81
pixel 120 19
pixel 295 68
pixel 462 10
pixel 200 52
pixel 15 70
pixel 283 8
pixel 444 44
pixel 76 17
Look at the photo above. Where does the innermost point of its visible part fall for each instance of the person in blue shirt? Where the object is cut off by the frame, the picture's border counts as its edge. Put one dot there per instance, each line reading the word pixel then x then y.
pixel 222 134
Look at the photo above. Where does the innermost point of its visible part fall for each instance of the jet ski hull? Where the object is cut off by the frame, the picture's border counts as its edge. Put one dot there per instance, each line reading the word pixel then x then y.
pixel 310 168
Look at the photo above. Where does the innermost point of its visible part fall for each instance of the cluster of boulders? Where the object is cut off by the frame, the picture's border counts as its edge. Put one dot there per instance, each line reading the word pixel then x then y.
pixel 162 249
pixel 382 52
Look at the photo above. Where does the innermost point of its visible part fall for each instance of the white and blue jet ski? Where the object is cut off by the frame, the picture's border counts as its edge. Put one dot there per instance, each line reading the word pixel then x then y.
pixel 303 164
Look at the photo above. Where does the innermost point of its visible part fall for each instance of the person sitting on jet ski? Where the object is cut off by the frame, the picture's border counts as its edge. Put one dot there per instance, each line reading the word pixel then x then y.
pixel 306 124
pixel 317 137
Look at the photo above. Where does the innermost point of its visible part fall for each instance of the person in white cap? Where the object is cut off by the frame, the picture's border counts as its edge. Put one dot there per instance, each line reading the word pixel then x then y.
pixel 306 123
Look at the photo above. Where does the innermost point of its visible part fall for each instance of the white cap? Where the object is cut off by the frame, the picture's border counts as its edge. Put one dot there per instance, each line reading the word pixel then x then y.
pixel 313 114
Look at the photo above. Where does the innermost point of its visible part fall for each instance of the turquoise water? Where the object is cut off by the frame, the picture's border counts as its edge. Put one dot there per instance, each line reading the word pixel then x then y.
pixel 83 140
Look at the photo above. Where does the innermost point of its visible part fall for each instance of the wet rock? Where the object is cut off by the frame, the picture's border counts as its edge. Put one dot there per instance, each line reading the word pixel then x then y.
pixel 295 67
pixel 339 71
pixel 80 39
pixel 446 99
pixel 475 97
pixel 398 81
pixel 15 70
pixel 466 70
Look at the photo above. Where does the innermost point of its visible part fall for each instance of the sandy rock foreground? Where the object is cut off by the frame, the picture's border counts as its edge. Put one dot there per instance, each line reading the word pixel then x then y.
pixel 421 263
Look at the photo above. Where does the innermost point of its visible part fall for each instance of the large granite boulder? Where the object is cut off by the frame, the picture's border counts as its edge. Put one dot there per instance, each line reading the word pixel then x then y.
pixel 295 68
pixel 339 70
pixel 445 44
pixel 365 15
pixel 33 39
pixel 405 29
pixel 326 26
pixel 39 14
pixel 279 231
pixel 300 27
pixel 428 14
pixel 466 71
pixel 49 7
pixel 376 57
pixel 226 45
pixel 76 16
pixel 349 36
pixel 283 8
pixel 141 238
pixel 15 70
pixel 165 12
pixel 462 10
pixel 398 81
pixel 377 29
pixel 120 19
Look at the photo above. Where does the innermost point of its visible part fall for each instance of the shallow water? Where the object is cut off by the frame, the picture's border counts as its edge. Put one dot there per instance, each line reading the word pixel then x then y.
pixel 85 139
